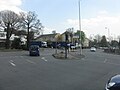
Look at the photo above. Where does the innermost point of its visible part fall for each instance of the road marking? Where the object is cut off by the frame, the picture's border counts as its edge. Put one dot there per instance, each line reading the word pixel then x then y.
pixel 83 59
pixel 11 62
pixel 30 62
pixel 105 60
pixel 114 64
pixel 44 59
pixel 21 56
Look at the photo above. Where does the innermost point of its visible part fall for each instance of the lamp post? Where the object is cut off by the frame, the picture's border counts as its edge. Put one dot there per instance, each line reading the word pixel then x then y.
pixel 80 28
pixel 108 33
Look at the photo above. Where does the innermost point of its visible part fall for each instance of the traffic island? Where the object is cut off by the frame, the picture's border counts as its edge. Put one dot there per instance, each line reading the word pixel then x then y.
pixel 70 56
pixel 60 55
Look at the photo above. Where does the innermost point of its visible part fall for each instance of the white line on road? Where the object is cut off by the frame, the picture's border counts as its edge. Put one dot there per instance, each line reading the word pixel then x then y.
pixel 30 62
pixel 105 60
pixel 11 62
pixel 83 59
pixel 44 59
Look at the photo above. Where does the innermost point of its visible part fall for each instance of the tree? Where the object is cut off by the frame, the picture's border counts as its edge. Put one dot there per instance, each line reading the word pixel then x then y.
pixel 21 32
pixel 98 38
pixel 16 43
pixel 9 21
pixel 93 43
pixel 58 38
pixel 103 42
pixel 31 23
pixel 70 33
pixel 114 43
pixel 119 44
pixel 78 33
pixel 31 35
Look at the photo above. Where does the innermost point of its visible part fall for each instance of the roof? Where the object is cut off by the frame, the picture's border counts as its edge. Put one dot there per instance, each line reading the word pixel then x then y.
pixel 47 35
pixel 65 32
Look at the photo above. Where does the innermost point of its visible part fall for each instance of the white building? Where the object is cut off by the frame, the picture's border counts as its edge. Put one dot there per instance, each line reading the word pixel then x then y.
pixel 13 36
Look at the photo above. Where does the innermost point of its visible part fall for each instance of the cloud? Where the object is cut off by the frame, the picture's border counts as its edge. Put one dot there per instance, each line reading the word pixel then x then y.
pixel 48 30
pixel 97 24
pixel 104 12
pixel 10 5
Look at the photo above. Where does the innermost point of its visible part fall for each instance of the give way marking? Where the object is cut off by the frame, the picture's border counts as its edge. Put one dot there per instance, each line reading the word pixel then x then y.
pixel 43 58
pixel 12 63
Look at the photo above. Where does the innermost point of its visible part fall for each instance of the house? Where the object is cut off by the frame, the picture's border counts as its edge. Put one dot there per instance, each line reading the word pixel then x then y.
pixel 2 39
pixel 86 43
pixel 74 38
pixel 47 37
pixel 13 36
pixel 63 36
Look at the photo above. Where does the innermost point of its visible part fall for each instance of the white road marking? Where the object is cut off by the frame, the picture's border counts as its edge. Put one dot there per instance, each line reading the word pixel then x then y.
pixel 44 59
pixel 11 62
pixel 105 60
pixel 113 64
pixel 30 62
pixel 83 59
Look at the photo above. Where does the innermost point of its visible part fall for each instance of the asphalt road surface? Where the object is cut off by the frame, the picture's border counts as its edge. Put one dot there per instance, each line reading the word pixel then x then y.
pixel 19 71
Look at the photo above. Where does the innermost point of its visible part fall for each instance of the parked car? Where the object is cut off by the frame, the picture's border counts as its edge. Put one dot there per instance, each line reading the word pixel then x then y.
pixel 93 49
pixel 44 44
pixel 34 50
pixel 113 83
pixel 71 45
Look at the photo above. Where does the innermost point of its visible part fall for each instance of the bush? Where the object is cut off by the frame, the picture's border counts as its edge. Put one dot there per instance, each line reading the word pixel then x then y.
pixel 16 43
pixel 24 47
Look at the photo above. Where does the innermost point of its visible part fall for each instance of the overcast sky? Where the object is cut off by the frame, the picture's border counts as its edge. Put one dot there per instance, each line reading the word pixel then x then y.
pixel 62 14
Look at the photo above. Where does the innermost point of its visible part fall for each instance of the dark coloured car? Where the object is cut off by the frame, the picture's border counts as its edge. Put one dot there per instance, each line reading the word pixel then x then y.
pixel 34 50
pixel 113 83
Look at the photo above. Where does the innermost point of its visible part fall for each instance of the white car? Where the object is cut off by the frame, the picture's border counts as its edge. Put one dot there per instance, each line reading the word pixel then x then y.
pixel 93 49
pixel 44 44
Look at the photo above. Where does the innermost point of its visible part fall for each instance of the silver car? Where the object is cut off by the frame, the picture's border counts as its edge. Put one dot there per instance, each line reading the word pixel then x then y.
pixel 93 49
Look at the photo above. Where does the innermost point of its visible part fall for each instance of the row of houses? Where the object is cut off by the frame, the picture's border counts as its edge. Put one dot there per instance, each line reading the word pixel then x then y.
pixel 61 38
pixel 45 37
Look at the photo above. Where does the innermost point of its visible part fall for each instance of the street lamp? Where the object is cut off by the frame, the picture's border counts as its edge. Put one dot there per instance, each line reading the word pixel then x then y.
pixel 80 28
pixel 108 33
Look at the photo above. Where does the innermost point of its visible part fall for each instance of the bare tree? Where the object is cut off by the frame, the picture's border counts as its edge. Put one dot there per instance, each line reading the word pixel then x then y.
pixel 59 38
pixel 30 22
pixel 98 38
pixel 70 33
pixel 9 22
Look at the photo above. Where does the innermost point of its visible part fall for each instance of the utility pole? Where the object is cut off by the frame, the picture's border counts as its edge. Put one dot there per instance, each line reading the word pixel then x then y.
pixel 80 28
pixel 66 41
